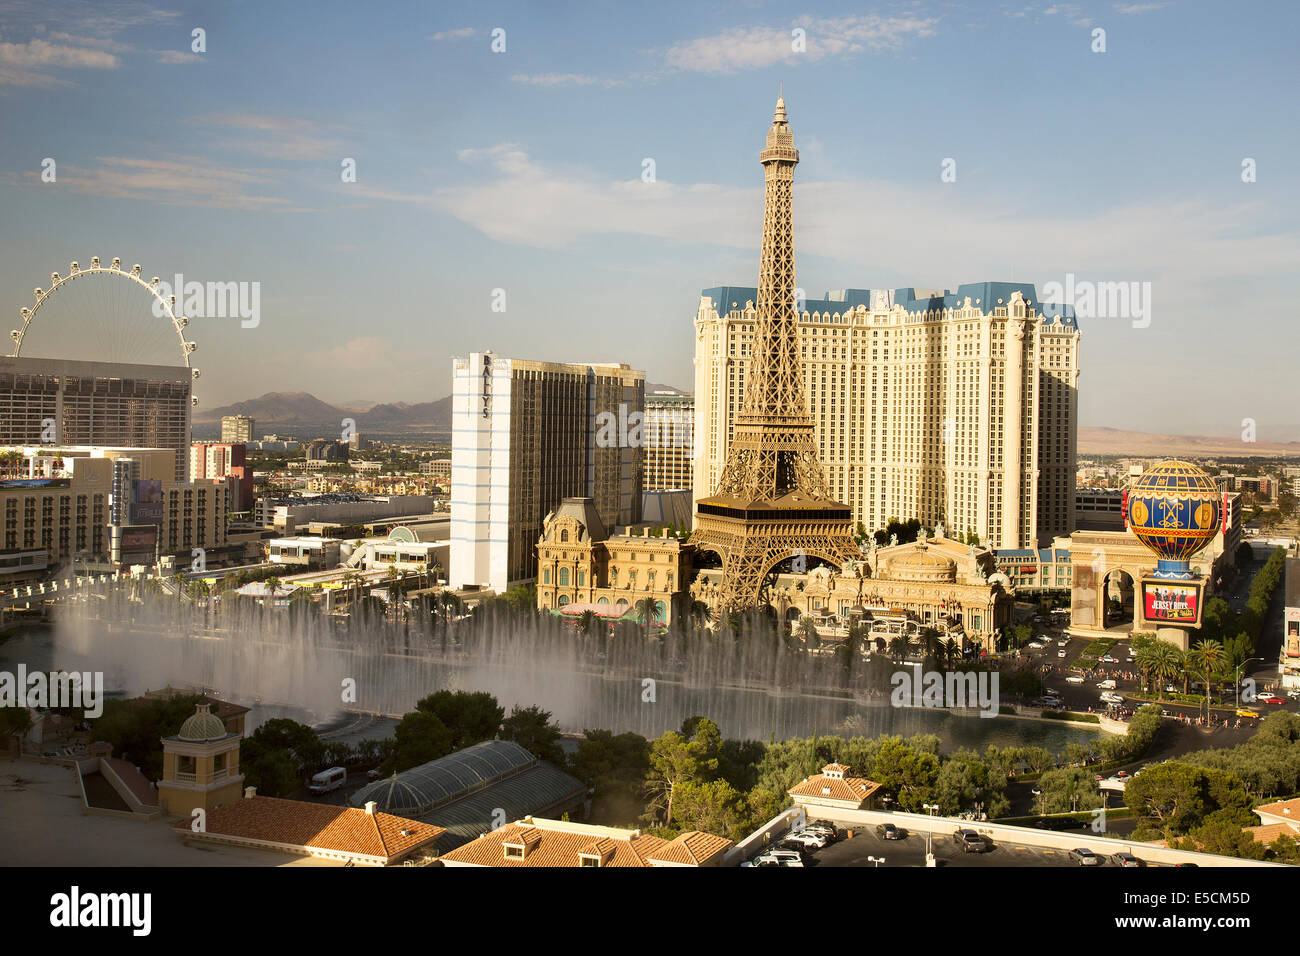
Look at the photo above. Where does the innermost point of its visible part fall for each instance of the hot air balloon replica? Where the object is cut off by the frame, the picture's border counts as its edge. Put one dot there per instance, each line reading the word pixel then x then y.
pixel 1174 509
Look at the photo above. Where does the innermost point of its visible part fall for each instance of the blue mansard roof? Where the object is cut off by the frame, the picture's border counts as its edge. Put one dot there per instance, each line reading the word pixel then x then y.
pixel 984 294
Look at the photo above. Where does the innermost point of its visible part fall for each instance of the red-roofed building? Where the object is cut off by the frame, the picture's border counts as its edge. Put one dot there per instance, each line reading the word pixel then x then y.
pixel 534 842
pixel 836 789
pixel 361 837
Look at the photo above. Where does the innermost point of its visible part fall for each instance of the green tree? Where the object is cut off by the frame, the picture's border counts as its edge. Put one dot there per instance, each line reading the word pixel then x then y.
pixel 471 716
pixel 531 728
pixel 1067 790
pixel 678 759
pixel 419 737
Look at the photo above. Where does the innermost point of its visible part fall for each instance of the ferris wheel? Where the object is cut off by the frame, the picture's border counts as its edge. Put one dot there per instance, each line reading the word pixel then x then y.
pixel 100 314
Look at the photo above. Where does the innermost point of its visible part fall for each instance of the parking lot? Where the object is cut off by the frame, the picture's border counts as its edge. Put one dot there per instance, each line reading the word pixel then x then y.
pixel 910 851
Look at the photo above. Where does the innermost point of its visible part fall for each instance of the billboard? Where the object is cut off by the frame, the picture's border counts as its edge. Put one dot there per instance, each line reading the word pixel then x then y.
pixel 146 501
pixel 137 544
pixel 1172 602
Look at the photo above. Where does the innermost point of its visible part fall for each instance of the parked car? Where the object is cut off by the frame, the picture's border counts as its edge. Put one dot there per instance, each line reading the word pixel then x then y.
pixel 1127 859
pixel 887 831
pixel 810 839
pixel 831 834
pixel 970 841
pixel 778 858
pixel 1085 857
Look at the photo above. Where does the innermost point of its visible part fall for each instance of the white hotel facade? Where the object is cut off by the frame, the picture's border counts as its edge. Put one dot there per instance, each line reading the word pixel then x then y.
pixel 524 437
pixel 960 408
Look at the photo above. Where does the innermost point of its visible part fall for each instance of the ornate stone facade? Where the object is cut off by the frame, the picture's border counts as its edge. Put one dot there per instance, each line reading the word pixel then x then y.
pixel 936 582
pixel 577 563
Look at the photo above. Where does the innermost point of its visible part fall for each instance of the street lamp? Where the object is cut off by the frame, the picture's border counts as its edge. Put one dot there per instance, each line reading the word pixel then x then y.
pixel 929 808
pixel 1236 679
pixel 876 860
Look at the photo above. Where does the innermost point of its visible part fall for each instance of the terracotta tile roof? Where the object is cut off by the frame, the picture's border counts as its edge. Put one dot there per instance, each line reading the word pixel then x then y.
pixel 852 789
pixel 1287 809
pixel 319 826
pixel 836 767
pixel 693 848
pixel 556 847
pixel 1271 831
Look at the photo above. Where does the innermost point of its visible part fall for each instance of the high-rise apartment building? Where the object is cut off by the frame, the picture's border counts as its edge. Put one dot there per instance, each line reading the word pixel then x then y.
pixel 237 428
pixel 525 436
pixel 954 408
pixel 216 460
pixel 669 436
pixel 64 402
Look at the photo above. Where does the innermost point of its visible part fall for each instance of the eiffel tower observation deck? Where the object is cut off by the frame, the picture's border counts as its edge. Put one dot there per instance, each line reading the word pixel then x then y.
pixel 771 503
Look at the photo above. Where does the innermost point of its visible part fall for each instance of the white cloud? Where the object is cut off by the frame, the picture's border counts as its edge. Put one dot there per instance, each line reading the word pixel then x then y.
pixel 563 79
pixel 275 137
pixel 459 34
pixel 177 56
pixel 745 48
pixel 177 181
pixel 1131 9
pixel 30 63
pixel 936 234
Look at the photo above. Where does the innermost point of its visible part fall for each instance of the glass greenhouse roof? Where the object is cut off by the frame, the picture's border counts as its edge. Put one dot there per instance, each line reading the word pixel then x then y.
pixel 493 763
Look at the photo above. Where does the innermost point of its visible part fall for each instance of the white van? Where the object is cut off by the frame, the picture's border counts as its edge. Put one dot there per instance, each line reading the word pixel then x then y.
pixel 328 780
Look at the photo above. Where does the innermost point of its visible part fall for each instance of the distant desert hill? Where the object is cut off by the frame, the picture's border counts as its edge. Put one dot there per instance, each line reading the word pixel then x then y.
pixel 1114 441
pixel 302 409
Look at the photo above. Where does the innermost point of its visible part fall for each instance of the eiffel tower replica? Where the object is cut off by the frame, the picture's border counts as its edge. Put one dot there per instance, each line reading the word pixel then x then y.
pixel 772 502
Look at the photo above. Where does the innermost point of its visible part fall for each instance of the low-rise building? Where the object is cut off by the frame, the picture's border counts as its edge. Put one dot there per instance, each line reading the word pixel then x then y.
pixel 535 842
pixel 304 552
pixel 835 788
pixel 361 837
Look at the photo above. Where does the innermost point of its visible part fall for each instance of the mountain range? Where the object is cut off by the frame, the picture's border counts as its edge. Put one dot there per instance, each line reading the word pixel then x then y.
pixel 286 411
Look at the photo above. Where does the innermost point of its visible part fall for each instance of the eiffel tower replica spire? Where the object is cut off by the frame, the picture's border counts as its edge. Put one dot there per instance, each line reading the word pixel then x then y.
pixel 772 502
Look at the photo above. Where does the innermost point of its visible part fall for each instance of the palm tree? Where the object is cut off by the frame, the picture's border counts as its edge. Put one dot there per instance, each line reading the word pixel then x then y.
pixel 1207 659
pixel 898 647
pixel 808 631
pixel 1166 663
pixel 646 609
pixel 587 622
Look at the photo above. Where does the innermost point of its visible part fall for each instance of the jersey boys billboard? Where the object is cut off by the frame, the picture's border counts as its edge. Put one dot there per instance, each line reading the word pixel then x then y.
pixel 1170 602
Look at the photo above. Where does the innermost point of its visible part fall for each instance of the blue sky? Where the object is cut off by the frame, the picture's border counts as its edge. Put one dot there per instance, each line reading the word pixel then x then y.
pixel 522 170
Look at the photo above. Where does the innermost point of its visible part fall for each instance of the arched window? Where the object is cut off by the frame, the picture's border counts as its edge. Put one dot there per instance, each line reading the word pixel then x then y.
pixel 564 577
pixel 564 535
pixel 562 600
pixel 603 600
